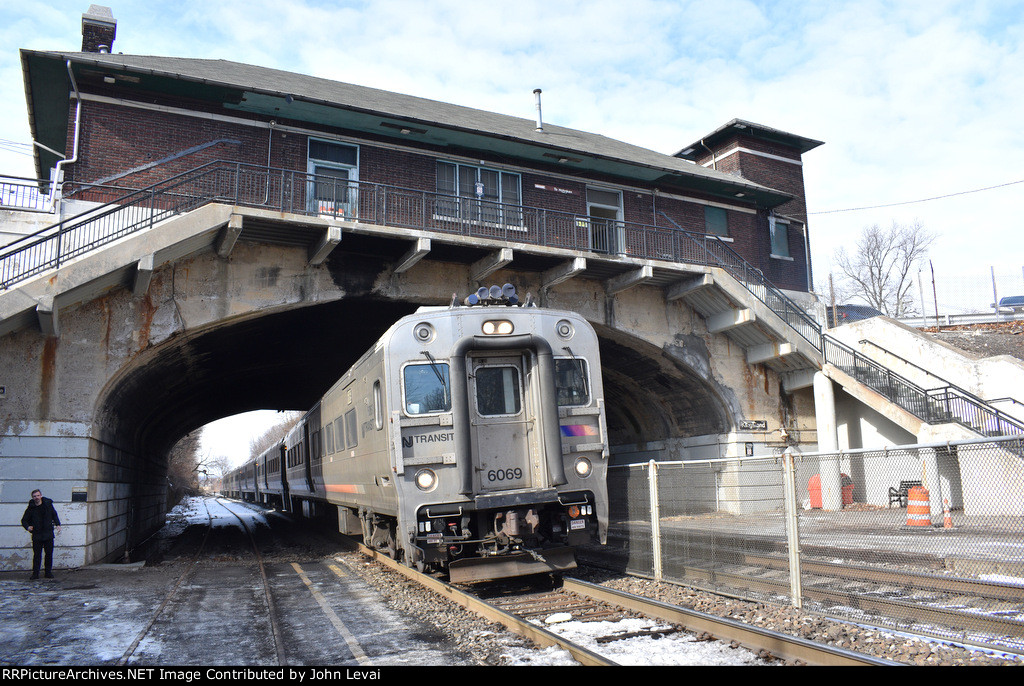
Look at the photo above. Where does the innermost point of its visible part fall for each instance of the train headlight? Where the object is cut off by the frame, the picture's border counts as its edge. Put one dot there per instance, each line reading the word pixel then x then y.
pixel 583 467
pixel 564 329
pixel 497 327
pixel 426 480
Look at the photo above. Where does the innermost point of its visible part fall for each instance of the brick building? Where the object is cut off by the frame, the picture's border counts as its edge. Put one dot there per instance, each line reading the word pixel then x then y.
pixel 318 146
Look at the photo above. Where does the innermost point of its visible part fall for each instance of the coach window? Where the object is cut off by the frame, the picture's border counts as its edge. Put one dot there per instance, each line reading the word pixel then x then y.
pixel 716 221
pixel 339 432
pixel 427 388
pixel 351 429
pixel 497 391
pixel 329 438
pixel 378 406
pixel 571 382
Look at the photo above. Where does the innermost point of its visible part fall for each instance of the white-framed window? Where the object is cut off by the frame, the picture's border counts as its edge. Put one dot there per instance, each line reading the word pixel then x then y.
pixel 604 214
pixel 479 194
pixel 333 170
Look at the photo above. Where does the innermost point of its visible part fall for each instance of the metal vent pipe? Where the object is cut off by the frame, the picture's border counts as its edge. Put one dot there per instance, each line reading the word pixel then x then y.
pixel 540 121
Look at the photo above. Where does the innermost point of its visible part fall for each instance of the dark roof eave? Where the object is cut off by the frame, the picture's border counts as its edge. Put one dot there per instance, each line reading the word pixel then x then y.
pixel 739 127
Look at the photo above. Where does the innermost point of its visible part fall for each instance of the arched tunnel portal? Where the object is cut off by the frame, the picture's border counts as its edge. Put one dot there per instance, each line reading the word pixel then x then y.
pixel 280 360
pixel 288 359
pixel 651 395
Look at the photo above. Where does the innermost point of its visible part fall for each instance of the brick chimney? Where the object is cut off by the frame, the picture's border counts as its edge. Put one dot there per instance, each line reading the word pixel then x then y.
pixel 98 29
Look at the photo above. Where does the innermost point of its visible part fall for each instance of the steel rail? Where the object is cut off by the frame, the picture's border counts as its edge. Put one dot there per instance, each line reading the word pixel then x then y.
pixel 789 648
pixel 927 620
pixel 517 625
pixel 991 590
pixel 130 650
pixel 271 608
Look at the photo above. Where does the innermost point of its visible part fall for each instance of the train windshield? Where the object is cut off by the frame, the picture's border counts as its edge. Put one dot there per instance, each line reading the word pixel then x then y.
pixel 427 388
pixel 571 382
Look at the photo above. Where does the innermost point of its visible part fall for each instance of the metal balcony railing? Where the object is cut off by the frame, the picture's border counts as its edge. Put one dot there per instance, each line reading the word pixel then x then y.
pixel 29 195
pixel 123 213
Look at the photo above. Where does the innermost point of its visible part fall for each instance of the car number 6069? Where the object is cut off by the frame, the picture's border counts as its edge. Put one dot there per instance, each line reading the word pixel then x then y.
pixel 504 474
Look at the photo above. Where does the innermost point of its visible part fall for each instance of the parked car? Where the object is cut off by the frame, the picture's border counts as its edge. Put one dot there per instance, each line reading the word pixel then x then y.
pixel 846 314
pixel 1011 303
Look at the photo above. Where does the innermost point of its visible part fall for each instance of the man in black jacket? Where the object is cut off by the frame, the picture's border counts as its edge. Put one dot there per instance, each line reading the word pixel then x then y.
pixel 39 519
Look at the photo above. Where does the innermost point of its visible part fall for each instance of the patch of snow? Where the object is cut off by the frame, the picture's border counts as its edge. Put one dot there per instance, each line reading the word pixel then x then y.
pixel 674 649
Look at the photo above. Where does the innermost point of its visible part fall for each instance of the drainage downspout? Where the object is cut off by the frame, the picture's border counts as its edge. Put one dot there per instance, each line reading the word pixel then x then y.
pixel 58 171
pixel 714 159
pixel 551 438
pixel 807 259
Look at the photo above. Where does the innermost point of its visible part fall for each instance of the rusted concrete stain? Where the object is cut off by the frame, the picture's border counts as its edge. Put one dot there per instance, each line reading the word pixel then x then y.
pixel 146 312
pixel 48 374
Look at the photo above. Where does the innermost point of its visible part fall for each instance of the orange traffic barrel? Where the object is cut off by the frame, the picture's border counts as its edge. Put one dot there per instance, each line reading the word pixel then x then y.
pixel 918 509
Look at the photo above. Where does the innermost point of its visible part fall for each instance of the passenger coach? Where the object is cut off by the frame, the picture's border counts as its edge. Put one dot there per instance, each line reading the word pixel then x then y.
pixel 469 438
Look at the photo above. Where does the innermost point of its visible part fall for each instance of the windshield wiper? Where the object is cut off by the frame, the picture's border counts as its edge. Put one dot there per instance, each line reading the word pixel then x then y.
pixel 437 373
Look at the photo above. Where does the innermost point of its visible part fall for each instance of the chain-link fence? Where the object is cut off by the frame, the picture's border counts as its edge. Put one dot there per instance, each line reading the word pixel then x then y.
pixel 924 537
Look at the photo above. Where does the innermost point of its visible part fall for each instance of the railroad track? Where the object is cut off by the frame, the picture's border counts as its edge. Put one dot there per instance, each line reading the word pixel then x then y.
pixel 970 611
pixel 168 601
pixel 588 602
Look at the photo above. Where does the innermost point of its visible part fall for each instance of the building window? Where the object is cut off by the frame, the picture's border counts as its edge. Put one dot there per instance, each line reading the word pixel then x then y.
pixel 716 221
pixel 333 178
pixel 780 237
pixel 478 194
pixel 604 212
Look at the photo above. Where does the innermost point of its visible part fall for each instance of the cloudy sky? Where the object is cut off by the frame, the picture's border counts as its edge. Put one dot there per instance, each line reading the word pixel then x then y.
pixel 920 104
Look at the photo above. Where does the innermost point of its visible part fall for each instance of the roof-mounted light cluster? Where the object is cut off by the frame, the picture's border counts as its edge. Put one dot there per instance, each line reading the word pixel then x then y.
pixel 496 295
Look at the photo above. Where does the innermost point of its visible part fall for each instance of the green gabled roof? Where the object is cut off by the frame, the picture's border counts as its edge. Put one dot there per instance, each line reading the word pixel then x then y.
pixel 276 93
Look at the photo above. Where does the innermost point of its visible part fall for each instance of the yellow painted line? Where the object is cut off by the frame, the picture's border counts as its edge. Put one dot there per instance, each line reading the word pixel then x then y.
pixel 339 626
pixel 337 571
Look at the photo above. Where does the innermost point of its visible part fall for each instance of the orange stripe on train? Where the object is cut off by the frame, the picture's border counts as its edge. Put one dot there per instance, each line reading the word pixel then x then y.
pixel 343 488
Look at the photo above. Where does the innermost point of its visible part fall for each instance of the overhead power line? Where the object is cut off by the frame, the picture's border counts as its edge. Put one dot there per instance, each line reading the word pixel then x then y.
pixel 911 202
pixel 15 146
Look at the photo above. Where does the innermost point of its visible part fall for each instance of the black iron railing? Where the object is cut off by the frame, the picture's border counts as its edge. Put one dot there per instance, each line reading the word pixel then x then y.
pixel 946 403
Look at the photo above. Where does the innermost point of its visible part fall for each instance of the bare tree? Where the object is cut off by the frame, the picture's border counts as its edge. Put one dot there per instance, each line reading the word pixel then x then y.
pixel 880 269
pixel 183 465
pixel 274 433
